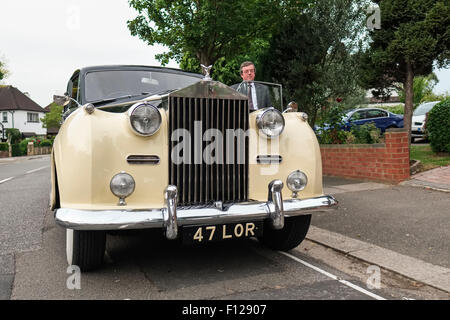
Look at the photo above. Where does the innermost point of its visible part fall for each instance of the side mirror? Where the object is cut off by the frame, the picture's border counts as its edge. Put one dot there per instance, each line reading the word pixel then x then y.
pixel 291 107
pixel 64 100
pixel 61 100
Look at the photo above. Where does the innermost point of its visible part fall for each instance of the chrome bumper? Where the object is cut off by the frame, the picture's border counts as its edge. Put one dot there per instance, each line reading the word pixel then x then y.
pixel 171 217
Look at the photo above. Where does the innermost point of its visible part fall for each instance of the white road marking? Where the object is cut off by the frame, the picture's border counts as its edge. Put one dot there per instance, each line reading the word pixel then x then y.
pixel 34 170
pixel 345 282
pixel 31 171
pixel 7 179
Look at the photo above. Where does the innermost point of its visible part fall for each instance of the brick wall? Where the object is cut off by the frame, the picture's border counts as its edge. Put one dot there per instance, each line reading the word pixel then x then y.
pixel 388 162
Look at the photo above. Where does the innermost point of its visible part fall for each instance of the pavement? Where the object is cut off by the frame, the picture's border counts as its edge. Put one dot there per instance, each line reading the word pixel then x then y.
pixel 401 228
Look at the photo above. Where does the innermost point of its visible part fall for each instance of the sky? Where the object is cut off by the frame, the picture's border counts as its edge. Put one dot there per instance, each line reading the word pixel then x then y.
pixel 44 42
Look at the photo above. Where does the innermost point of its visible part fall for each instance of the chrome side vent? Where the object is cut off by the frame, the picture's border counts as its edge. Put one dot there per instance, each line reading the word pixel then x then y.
pixel 143 159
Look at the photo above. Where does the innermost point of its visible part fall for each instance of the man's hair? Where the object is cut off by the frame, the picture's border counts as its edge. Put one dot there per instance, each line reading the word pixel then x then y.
pixel 246 64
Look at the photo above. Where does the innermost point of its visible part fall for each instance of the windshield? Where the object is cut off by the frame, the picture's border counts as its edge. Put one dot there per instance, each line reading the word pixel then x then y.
pixel 113 84
pixel 424 108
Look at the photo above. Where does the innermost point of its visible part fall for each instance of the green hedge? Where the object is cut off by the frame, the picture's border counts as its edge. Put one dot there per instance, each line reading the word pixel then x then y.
pixel 438 127
pixel 4 146
pixel 15 135
pixel 15 150
pixel 45 143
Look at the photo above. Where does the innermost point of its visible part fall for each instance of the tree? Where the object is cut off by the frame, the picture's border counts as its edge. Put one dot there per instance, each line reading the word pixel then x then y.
pixel 314 54
pixel 422 88
pixel 207 31
pixel 53 118
pixel 3 71
pixel 413 36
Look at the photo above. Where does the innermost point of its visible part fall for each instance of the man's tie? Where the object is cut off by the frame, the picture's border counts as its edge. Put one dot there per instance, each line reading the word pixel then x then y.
pixel 250 99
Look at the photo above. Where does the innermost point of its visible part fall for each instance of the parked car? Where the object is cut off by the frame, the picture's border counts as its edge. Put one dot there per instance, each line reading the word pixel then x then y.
pixel 381 118
pixel 149 147
pixel 419 120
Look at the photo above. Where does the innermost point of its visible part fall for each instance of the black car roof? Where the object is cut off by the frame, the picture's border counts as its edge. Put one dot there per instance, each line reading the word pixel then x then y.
pixel 85 70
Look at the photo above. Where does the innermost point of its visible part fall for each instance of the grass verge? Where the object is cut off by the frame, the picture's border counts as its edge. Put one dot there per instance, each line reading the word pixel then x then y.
pixel 429 160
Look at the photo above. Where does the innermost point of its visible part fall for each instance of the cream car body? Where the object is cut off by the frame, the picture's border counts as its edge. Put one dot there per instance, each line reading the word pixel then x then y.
pixel 96 143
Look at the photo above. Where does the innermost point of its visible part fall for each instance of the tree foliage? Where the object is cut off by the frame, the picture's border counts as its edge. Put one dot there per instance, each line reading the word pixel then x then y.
pixel 414 35
pixel 210 32
pixel 53 118
pixel 315 54
pixel 422 88
pixel 3 71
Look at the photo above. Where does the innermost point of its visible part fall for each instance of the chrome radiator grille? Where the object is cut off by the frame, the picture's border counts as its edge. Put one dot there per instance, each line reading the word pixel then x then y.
pixel 199 181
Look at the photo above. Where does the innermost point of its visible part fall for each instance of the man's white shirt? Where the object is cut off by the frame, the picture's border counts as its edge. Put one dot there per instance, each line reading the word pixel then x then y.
pixel 254 100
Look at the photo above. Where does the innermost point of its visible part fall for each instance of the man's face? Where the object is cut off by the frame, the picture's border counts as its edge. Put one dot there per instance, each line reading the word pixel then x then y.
pixel 248 73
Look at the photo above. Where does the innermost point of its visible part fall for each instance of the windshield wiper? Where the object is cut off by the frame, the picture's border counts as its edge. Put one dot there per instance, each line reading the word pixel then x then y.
pixel 165 91
pixel 122 97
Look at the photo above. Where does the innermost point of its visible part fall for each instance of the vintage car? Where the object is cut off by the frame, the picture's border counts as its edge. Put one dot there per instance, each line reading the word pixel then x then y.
pixel 150 147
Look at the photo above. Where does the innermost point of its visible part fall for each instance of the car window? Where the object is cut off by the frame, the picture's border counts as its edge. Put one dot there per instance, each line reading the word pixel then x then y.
pixel 73 90
pixel 358 115
pixel 376 114
pixel 111 84
pixel 424 108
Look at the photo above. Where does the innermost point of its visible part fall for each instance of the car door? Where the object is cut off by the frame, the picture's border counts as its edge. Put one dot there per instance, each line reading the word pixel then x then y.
pixel 357 118
pixel 379 117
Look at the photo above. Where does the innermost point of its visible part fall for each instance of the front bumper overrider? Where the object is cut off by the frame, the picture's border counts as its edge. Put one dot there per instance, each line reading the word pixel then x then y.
pixel 171 217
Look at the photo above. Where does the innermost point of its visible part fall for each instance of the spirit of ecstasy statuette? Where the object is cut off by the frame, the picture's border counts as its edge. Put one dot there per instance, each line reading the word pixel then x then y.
pixel 206 71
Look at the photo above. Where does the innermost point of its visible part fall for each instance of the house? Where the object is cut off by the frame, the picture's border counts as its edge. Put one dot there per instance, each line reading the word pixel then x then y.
pixel 392 100
pixel 18 111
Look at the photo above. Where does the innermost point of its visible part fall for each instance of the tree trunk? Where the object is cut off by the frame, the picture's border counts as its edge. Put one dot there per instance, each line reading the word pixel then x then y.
pixel 409 99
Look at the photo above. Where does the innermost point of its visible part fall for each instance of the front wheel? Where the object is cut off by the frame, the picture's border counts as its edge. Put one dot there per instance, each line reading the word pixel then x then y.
pixel 293 233
pixel 85 249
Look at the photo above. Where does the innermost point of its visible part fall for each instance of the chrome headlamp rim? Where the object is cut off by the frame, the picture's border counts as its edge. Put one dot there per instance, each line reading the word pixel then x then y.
pixel 259 123
pixel 140 105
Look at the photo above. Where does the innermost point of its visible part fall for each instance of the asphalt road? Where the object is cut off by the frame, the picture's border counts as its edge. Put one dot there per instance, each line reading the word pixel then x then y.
pixel 142 265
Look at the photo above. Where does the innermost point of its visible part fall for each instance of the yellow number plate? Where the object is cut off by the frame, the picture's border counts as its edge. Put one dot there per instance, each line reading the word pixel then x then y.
pixel 203 234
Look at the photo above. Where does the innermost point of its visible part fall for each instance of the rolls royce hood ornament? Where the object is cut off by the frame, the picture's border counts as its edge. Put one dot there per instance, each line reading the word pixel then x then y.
pixel 206 71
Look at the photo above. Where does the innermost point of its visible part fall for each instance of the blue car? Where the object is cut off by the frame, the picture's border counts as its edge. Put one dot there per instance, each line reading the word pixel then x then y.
pixel 381 118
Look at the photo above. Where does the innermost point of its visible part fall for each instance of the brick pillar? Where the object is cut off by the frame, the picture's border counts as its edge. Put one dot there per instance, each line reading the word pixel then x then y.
pixel 397 154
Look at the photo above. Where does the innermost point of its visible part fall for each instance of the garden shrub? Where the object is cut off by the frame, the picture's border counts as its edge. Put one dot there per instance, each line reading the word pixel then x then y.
pixel 367 133
pixel 15 150
pixel 438 127
pixel 4 146
pixel 46 143
pixel 15 135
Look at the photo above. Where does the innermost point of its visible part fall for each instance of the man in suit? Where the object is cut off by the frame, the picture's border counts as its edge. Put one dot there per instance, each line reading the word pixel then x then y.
pixel 258 94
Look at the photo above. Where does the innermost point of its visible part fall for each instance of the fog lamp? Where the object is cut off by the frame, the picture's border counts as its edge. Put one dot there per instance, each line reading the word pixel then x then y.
pixel 122 185
pixel 296 181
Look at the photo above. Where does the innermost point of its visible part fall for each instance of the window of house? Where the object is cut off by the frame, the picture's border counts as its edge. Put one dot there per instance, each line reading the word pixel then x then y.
pixel 32 117
pixel 4 116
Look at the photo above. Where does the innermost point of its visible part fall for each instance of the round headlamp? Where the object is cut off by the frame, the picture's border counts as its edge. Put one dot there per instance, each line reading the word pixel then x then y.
pixel 145 119
pixel 270 122
pixel 122 185
pixel 296 181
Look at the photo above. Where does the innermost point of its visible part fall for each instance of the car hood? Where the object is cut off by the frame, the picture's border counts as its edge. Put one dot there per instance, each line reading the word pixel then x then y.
pixel 418 118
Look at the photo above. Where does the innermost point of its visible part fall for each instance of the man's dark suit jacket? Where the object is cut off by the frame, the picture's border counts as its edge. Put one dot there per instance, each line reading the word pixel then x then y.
pixel 262 93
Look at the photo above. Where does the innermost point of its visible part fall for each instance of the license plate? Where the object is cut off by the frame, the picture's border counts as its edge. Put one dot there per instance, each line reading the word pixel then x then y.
pixel 208 233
